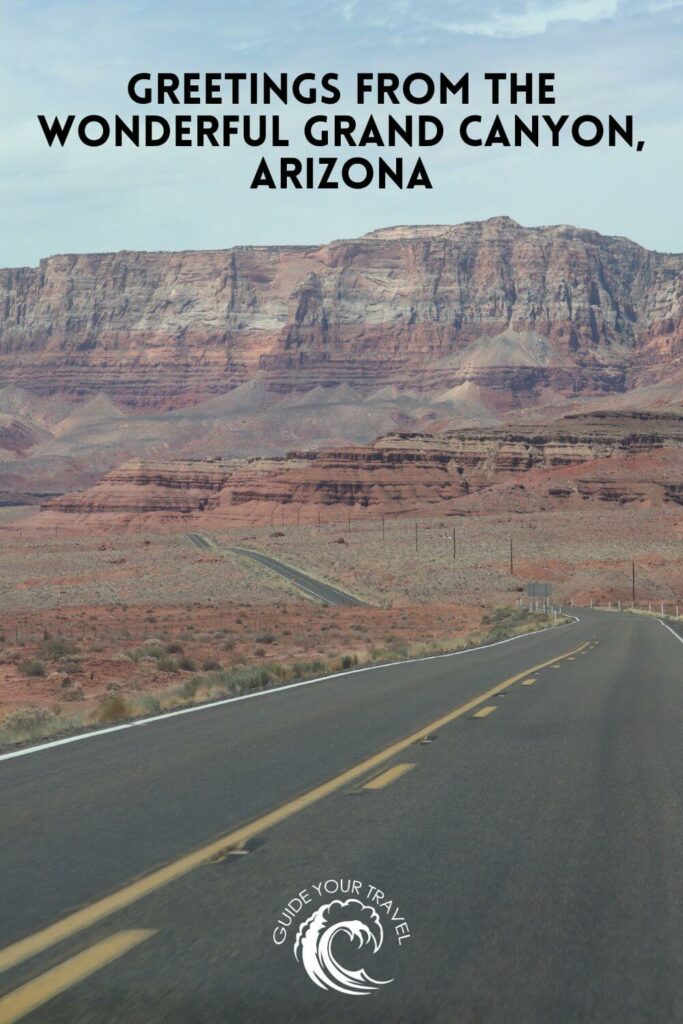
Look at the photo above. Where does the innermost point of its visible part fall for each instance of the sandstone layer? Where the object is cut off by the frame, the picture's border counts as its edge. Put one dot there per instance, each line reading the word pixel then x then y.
pixel 608 457
pixel 517 311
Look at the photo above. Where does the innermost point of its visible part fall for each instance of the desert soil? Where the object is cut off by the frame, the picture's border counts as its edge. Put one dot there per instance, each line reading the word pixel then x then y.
pixel 110 595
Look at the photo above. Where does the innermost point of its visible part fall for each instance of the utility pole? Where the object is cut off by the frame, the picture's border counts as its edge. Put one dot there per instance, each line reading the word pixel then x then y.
pixel 383 528
pixel 633 583
pixel 416 536
pixel 512 563
pixel 453 543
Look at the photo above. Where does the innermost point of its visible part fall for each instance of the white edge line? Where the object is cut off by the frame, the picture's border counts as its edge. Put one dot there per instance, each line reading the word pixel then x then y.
pixel 299 586
pixel 256 556
pixel 672 631
pixel 94 733
pixel 289 580
pixel 295 583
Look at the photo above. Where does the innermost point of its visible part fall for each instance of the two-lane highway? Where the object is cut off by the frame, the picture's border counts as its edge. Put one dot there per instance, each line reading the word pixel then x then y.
pixel 534 843
pixel 301 580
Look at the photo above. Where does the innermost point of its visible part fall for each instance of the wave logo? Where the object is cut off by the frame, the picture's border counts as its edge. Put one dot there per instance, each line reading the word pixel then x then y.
pixel 315 938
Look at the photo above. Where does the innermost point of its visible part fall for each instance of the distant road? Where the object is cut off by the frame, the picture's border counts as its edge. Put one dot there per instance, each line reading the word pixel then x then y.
pixel 323 591
pixel 200 541
pixel 520 803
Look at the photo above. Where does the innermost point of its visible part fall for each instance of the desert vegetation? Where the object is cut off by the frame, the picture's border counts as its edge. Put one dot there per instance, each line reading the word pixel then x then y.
pixel 586 555
pixel 99 628
pixel 165 677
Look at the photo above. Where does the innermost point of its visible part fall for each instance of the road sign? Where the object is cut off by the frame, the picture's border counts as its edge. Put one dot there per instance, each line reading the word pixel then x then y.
pixel 539 589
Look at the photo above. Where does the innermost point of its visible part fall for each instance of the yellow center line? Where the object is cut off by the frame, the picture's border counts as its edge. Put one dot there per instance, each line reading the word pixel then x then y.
pixel 34 993
pixel 483 712
pixel 387 777
pixel 134 891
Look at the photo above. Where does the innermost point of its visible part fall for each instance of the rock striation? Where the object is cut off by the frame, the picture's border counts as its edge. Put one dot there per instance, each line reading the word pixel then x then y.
pixel 517 311
pixel 608 457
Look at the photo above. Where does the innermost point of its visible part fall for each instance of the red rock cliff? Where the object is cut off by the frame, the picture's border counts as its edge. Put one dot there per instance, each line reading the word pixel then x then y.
pixel 424 307
pixel 634 457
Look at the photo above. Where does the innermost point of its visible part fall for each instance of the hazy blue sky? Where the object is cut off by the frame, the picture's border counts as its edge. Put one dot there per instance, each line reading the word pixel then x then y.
pixel 77 56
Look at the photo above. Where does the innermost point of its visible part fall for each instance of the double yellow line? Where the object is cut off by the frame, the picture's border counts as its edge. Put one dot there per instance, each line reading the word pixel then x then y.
pixel 35 993
pixel 103 908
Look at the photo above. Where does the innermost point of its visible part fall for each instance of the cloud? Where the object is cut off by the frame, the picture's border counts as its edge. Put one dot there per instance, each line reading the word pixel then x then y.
pixel 65 56
pixel 531 19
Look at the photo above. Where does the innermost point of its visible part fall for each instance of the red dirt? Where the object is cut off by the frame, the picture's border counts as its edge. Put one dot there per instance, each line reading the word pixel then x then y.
pixel 300 631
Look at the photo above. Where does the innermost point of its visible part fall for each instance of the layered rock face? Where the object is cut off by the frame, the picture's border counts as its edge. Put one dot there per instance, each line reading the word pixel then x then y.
pixel 609 457
pixel 493 304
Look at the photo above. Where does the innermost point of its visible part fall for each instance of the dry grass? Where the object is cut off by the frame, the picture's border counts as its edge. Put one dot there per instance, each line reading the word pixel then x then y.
pixel 30 723
pixel 85 653
pixel 136 569
pixel 585 554
pixel 131 624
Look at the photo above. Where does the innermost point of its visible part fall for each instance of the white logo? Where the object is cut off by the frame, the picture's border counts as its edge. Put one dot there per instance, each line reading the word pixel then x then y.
pixel 313 946
pixel 358 920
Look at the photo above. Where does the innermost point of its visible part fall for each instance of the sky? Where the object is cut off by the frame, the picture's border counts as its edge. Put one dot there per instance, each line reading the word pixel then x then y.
pixel 76 56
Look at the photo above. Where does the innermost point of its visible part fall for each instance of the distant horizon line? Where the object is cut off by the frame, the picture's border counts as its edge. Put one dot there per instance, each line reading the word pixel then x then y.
pixel 374 234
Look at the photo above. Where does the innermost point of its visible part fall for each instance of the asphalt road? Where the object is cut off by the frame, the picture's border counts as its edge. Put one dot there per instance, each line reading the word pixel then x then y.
pixel 314 588
pixel 199 541
pixel 532 847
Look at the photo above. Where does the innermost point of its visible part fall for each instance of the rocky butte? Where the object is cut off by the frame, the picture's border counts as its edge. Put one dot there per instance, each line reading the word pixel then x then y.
pixel 629 458
pixel 526 314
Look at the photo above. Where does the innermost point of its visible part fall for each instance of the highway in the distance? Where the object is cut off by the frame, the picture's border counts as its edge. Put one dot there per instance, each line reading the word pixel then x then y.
pixel 518 808
pixel 304 583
